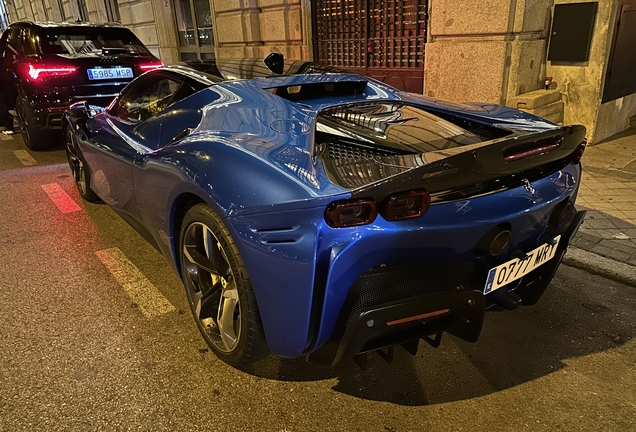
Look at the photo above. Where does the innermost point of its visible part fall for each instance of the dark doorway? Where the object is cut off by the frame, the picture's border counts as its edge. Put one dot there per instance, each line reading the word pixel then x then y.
pixel 382 39
pixel 619 79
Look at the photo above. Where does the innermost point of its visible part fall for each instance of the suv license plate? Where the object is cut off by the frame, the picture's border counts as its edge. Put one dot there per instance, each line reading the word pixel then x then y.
pixel 109 73
pixel 517 268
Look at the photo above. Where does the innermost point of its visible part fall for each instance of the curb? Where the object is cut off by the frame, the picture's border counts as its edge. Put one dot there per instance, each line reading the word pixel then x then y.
pixel 599 265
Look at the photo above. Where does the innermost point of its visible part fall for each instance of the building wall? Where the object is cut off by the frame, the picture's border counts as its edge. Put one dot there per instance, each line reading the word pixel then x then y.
pixel 489 50
pixel 139 16
pixel 254 28
pixel 242 28
pixel 494 50
pixel 486 50
pixel 580 84
pixel 613 116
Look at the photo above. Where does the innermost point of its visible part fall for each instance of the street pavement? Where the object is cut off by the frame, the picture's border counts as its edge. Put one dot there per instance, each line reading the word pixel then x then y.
pixel 608 193
pixel 78 352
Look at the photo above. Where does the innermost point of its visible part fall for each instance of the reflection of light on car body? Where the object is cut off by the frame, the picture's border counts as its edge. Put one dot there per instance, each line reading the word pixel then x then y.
pixel 369 216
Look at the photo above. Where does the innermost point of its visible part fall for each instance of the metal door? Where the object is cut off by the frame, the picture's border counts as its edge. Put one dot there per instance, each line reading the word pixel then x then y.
pixel 383 39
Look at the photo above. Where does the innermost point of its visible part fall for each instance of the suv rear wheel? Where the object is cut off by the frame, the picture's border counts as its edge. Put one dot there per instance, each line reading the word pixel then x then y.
pixel 34 138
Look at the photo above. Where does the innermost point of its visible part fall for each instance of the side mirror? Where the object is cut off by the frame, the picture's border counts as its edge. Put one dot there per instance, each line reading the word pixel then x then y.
pixel 275 62
pixel 79 112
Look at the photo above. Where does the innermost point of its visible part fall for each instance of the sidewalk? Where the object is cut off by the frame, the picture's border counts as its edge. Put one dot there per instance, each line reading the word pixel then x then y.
pixel 608 193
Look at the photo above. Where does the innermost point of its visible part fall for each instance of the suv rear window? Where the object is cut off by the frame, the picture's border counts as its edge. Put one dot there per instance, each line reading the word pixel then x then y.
pixel 87 41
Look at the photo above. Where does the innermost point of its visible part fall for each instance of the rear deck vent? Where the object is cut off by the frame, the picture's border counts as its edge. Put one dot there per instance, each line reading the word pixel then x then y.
pixel 319 90
pixel 348 150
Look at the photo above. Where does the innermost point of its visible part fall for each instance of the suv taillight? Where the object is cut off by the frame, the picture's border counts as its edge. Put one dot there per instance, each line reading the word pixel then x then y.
pixel 145 67
pixel 39 71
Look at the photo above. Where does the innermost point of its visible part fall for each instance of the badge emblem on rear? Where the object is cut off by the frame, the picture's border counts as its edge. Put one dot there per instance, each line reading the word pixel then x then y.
pixel 528 186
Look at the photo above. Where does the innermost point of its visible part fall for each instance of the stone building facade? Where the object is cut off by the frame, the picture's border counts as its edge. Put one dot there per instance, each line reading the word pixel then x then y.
pixel 486 50
pixel 496 50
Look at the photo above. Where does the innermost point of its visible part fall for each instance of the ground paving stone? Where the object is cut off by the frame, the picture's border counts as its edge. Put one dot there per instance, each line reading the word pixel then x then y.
pixel 619 256
pixel 601 250
pixel 624 247
pixel 608 193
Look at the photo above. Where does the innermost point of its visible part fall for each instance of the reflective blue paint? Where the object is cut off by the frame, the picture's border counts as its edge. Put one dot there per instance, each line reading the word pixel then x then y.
pixel 250 157
pixel 496 115
pixel 447 232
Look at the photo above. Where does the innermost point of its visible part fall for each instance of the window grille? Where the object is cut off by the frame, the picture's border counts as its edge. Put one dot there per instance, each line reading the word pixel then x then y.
pixel 83 11
pixel 112 10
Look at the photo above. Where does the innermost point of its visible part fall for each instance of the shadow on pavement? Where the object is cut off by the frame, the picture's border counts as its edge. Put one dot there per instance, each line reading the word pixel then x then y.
pixel 580 314
pixel 624 134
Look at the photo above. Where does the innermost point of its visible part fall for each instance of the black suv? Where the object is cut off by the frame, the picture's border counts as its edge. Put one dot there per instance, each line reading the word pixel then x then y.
pixel 46 67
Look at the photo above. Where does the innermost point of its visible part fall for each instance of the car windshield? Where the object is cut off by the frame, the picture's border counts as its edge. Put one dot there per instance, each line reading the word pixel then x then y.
pixel 91 41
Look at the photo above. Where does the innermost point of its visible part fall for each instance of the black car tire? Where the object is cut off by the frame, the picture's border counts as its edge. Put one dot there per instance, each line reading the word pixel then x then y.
pixel 79 168
pixel 219 290
pixel 34 138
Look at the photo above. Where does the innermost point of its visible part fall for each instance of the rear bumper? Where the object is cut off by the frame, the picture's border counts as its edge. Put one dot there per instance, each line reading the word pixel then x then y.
pixel 50 117
pixel 383 326
pixel 305 274
pixel 459 311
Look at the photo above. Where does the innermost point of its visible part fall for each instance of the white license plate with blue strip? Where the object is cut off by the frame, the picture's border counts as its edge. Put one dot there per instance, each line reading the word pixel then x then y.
pixel 110 73
pixel 517 268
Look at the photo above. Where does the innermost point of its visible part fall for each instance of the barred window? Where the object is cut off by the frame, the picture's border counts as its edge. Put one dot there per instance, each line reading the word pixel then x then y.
pixel 83 11
pixel 60 6
pixel 46 11
pixel 20 10
pixel 194 27
pixel 112 10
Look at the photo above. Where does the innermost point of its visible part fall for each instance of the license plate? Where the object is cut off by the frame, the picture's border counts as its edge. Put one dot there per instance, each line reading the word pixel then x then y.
pixel 517 268
pixel 110 73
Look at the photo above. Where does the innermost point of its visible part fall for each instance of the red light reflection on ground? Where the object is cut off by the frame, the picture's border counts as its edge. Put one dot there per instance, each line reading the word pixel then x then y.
pixel 60 198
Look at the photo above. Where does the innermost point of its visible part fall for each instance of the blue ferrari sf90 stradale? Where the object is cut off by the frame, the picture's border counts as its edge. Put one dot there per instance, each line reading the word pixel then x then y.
pixel 327 215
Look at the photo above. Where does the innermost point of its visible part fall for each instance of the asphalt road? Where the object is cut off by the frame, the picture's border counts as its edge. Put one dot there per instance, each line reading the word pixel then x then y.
pixel 82 349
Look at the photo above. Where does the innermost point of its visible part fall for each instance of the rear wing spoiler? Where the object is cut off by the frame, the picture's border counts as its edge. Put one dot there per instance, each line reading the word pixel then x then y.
pixel 466 171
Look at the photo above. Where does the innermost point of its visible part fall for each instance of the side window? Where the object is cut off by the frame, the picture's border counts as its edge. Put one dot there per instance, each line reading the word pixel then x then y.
pixel 149 97
pixel 13 42
pixel 3 44
pixel 28 42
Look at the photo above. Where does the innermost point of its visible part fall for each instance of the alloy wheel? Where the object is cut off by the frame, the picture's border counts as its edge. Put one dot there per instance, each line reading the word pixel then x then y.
pixel 211 287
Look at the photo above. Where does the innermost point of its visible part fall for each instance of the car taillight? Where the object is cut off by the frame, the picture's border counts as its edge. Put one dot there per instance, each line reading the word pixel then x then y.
pixel 577 154
pixel 350 213
pixel 406 205
pixel 145 67
pixel 37 72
